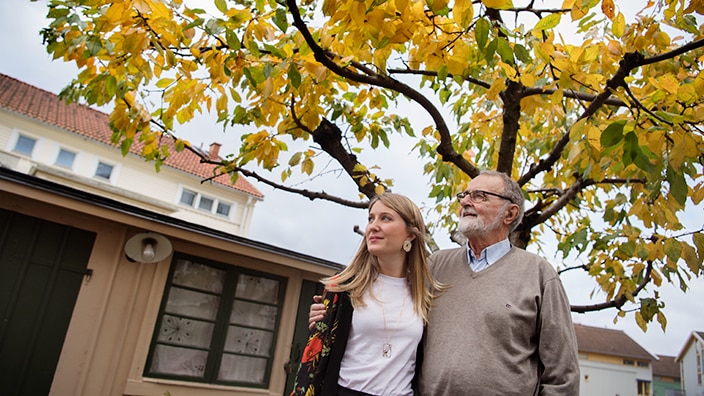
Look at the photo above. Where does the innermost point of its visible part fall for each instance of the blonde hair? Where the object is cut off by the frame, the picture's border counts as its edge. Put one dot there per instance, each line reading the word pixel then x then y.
pixel 359 275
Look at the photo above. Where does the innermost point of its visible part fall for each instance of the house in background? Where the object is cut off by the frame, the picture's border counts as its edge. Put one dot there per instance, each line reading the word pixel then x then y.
pixel 115 281
pixel 612 364
pixel 666 377
pixel 691 359
pixel 70 144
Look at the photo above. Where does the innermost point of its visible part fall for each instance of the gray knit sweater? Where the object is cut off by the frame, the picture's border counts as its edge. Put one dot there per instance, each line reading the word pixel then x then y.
pixel 506 330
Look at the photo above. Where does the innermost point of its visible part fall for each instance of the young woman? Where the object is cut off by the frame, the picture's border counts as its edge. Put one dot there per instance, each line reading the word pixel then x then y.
pixel 375 310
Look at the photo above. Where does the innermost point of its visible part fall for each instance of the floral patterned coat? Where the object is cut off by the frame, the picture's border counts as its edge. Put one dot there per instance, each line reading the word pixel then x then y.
pixel 320 363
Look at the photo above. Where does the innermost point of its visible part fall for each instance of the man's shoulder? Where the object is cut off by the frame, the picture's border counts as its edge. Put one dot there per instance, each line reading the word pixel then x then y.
pixel 531 261
pixel 444 256
pixel 442 253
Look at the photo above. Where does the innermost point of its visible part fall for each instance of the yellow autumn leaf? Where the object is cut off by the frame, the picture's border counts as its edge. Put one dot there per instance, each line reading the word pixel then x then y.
pixel 661 40
pixel 379 189
pixel 496 87
pixel 498 4
pixel 115 12
pixel 618 26
pixel 462 13
pixel 687 94
pixel 669 83
pixel 438 5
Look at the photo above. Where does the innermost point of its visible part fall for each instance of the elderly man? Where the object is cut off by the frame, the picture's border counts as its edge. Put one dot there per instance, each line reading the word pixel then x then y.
pixel 503 326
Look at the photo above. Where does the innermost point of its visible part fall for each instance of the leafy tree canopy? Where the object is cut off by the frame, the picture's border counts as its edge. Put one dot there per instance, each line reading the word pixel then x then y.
pixel 598 117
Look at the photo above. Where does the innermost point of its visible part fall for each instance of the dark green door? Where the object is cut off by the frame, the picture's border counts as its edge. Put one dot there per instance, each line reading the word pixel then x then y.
pixel 300 335
pixel 42 265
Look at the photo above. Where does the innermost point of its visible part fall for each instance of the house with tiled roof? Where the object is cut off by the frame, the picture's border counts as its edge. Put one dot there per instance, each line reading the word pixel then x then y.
pixel 691 359
pixel 612 363
pixel 115 280
pixel 666 377
pixel 71 144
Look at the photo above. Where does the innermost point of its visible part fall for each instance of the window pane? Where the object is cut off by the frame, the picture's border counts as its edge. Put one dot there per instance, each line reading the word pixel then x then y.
pixel 257 288
pixel 25 145
pixel 65 158
pixel 242 369
pixel 103 171
pixel 198 276
pixel 206 203
pixel 179 361
pixel 223 209
pixel 185 331
pixel 193 304
pixel 249 341
pixel 188 197
pixel 254 315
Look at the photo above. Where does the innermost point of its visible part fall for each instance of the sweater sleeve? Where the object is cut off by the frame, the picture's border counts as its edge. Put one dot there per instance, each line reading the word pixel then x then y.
pixel 558 344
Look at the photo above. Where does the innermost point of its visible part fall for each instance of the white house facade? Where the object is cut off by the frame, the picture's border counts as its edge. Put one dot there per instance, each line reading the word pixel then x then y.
pixel 70 144
pixel 691 359
pixel 612 364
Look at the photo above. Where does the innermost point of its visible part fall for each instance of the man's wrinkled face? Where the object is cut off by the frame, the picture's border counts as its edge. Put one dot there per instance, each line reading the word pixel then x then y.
pixel 482 207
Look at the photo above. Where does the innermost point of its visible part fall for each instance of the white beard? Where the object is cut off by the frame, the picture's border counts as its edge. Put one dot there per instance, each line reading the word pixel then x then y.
pixel 473 226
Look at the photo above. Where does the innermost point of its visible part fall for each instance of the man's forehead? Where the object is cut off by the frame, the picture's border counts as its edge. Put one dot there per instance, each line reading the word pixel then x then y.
pixel 484 180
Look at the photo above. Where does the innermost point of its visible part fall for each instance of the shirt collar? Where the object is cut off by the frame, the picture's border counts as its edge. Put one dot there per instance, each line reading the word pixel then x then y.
pixel 492 253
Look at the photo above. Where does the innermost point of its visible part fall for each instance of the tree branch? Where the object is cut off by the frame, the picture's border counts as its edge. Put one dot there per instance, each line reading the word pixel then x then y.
pixel 630 61
pixel 619 301
pixel 445 148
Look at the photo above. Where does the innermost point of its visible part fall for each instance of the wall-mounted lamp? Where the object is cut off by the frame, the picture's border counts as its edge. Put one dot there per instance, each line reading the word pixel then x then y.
pixel 148 247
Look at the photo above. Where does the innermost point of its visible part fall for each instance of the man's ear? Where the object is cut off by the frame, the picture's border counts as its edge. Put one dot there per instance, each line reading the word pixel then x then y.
pixel 511 214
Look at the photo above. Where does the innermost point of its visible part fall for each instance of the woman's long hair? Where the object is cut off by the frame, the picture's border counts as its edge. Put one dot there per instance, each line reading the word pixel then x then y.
pixel 357 278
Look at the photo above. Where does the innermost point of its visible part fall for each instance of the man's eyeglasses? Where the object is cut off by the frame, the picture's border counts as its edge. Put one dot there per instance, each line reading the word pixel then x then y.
pixel 479 196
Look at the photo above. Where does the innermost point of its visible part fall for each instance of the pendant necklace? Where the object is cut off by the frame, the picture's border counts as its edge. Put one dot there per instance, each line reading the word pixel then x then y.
pixel 386 347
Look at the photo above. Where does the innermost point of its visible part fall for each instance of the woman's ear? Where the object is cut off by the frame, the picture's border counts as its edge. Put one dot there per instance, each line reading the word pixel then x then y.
pixel 412 235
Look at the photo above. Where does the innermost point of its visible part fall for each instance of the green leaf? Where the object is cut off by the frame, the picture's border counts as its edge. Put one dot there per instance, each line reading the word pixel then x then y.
pixel 673 249
pixel 613 134
pixel 503 48
pixel 481 32
pixel 442 72
pixel 522 53
pixel 164 82
pixel 232 40
pixel 548 22
pixel 275 51
pixel 221 5
pixel 630 148
pixel 294 75
pixel 678 185
pixel 280 19
pixel 490 50
pixel 111 85
pixel 194 23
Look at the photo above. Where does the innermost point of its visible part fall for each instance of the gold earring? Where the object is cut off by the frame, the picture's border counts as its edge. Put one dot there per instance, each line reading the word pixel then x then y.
pixel 407 245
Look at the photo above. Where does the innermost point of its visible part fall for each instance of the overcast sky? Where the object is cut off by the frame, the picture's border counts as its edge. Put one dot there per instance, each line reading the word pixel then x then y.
pixel 324 229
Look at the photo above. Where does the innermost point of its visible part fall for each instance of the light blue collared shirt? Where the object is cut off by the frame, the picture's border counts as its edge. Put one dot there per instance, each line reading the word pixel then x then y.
pixel 489 255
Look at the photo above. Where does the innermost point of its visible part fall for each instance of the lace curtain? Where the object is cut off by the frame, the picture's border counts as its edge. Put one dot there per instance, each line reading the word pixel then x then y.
pixel 190 317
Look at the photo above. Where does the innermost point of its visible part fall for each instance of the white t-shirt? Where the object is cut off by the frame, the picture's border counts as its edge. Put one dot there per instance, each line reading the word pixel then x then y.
pixel 364 366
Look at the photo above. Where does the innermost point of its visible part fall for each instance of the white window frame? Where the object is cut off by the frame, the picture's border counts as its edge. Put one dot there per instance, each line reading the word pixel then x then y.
pixel 25 136
pixel 113 170
pixel 213 211
pixel 73 161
